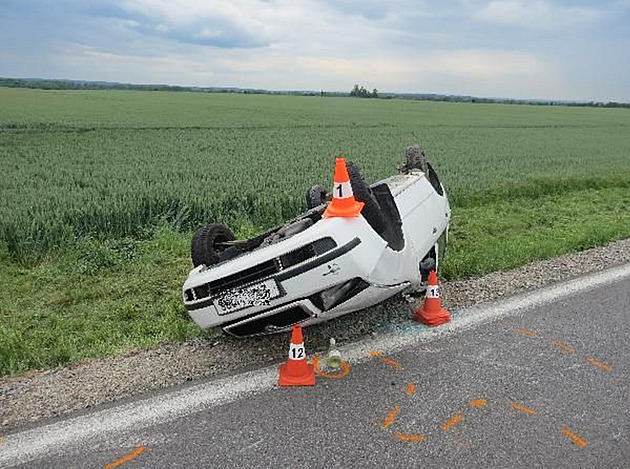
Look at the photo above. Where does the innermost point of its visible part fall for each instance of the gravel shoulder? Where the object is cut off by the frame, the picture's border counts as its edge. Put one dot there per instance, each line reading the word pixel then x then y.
pixel 34 396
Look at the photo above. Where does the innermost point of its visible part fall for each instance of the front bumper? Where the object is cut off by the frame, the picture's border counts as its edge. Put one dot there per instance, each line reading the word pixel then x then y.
pixel 287 290
pixel 274 320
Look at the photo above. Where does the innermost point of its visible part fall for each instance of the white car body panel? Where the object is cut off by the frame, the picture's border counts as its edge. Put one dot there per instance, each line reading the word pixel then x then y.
pixel 361 253
pixel 368 297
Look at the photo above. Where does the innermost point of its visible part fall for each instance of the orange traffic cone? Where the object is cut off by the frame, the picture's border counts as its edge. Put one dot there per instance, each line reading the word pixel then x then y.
pixel 343 203
pixel 432 313
pixel 296 372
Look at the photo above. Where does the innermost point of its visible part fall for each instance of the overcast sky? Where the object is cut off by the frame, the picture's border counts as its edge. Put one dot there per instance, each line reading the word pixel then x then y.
pixel 508 48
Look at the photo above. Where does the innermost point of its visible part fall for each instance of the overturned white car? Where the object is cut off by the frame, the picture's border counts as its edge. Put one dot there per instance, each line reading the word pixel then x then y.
pixel 315 268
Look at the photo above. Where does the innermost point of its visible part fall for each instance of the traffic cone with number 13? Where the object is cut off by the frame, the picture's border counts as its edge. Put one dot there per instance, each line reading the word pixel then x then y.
pixel 432 313
pixel 296 372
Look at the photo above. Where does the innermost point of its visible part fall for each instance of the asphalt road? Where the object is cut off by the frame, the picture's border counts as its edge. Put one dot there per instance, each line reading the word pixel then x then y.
pixel 545 385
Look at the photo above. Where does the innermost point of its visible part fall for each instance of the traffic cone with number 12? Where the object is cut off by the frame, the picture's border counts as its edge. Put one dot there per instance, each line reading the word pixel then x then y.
pixel 343 203
pixel 296 372
pixel 432 313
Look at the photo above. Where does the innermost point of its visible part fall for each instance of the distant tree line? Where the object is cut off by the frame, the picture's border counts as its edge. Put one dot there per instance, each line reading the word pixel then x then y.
pixel 361 92
pixel 357 91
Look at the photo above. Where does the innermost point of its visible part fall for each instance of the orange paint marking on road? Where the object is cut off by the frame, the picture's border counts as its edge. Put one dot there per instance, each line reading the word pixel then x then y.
pixel 404 437
pixel 458 417
pixel 523 408
pixel 345 370
pixel 411 389
pixel 479 403
pixel 387 422
pixel 389 361
pixel 603 366
pixel 137 452
pixel 563 346
pixel 528 333
pixel 573 437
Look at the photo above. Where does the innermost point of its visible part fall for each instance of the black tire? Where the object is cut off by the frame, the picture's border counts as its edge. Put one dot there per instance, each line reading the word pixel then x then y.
pixel 316 196
pixel 363 193
pixel 428 264
pixel 204 249
pixel 416 159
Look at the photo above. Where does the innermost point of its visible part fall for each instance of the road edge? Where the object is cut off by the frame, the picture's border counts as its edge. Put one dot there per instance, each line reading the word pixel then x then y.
pixel 33 444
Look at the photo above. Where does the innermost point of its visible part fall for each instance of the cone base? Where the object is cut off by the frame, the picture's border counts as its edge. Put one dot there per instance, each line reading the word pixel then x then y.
pixel 432 319
pixel 308 379
pixel 333 210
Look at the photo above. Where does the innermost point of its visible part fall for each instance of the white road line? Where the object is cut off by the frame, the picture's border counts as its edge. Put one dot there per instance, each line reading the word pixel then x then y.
pixel 51 439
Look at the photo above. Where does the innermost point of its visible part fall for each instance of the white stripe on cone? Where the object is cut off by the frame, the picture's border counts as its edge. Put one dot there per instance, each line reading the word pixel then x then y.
pixel 433 291
pixel 342 190
pixel 297 352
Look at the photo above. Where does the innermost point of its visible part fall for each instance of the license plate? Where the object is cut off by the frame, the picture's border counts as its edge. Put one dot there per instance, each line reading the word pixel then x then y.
pixel 259 294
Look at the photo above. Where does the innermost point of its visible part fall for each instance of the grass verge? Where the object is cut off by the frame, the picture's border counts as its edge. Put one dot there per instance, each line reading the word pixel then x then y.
pixel 510 233
pixel 106 297
pixel 98 298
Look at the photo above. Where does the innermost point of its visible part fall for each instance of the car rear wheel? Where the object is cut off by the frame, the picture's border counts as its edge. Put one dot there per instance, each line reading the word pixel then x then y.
pixel 206 245
pixel 416 159
pixel 316 196
pixel 435 257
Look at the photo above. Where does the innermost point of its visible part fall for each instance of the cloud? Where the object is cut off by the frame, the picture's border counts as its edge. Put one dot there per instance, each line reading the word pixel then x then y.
pixel 234 24
pixel 168 68
pixel 368 9
pixel 536 14
pixel 467 71
pixel 542 48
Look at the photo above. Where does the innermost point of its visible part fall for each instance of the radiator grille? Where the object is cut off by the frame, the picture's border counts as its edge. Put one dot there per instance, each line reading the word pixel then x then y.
pixel 260 271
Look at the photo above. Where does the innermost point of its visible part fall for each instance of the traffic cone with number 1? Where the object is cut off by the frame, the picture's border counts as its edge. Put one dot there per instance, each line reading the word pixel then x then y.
pixel 296 372
pixel 343 203
pixel 431 313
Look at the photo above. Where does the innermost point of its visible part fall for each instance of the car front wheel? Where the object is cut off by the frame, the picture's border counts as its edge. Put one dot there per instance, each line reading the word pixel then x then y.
pixel 206 245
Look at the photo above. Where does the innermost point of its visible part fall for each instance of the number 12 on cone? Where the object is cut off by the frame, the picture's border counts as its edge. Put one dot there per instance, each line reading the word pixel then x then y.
pixel 297 352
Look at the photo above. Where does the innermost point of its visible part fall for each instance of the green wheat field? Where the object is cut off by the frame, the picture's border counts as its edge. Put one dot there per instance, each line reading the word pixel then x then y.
pixel 101 190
